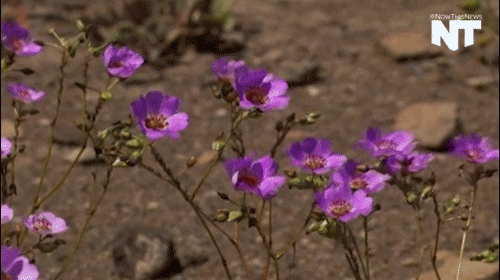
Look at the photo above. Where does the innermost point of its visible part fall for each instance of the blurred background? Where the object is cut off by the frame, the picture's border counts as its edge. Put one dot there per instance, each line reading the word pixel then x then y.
pixel 358 63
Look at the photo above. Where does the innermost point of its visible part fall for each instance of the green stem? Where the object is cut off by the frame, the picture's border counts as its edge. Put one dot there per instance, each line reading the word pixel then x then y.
pixel 466 228
pixel 85 225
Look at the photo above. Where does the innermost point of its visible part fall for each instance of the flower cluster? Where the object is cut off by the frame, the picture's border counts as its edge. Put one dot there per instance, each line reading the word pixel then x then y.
pixel 396 150
pixel 17 39
pixel 16 266
pixel 255 176
pixel 255 88
pixel 157 115
pixel 24 93
pixel 474 148
pixel 121 62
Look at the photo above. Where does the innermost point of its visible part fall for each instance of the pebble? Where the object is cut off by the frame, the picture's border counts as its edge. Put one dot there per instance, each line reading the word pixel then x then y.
pixel 433 123
pixel 481 83
pixel 8 129
pixel 299 73
pixel 471 270
pixel 408 45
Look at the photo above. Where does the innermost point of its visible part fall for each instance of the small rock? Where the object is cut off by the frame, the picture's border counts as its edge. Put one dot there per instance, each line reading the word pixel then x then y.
pixel 409 262
pixel 481 83
pixel 471 270
pixel 206 157
pixel 221 112
pixel 87 157
pixel 408 45
pixel 231 42
pixel 313 91
pixel 67 134
pixel 433 123
pixel 142 252
pixel 299 73
pixel 8 129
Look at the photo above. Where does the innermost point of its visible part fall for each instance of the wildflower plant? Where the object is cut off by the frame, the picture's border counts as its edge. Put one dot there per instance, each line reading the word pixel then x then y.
pixel 340 190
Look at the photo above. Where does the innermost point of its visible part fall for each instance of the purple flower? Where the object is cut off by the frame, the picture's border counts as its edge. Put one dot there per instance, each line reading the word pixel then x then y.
pixel 24 93
pixel 257 176
pixel 6 147
pixel 157 115
pixel 262 90
pixel 315 155
pixel 7 213
pixel 474 148
pixel 378 144
pixel 15 266
pixel 45 223
pixel 412 162
pixel 370 181
pixel 228 69
pixel 18 39
pixel 340 202
pixel 121 62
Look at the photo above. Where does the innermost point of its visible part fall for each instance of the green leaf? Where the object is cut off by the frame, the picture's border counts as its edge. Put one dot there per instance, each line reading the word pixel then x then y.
pixel 134 143
pixel 235 215
pixel 49 246
pixel 218 144
pixel 470 6
pixel 106 95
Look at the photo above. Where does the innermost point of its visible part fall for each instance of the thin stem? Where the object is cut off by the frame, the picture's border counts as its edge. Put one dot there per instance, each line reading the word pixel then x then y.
pixel 438 228
pixel 234 125
pixel 64 62
pixel 17 124
pixel 424 246
pixel 85 225
pixel 175 183
pixel 466 228
pixel 291 243
pixel 358 251
pixel 367 249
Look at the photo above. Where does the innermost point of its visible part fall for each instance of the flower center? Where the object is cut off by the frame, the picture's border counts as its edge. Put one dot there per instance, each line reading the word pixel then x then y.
pixel 358 183
pixel 386 144
pixel 249 179
pixel 5 276
pixel 115 64
pixel 474 154
pixel 257 95
pixel 24 94
pixel 314 161
pixel 17 45
pixel 156 122
pixel 42 225
pixel 339 207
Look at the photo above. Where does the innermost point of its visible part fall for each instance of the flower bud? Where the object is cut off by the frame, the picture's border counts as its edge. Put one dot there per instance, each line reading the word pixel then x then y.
pixel 191 161
pixel 222 215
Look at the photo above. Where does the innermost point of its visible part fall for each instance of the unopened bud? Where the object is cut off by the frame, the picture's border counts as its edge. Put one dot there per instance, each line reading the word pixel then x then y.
pixel 80 26
pixel 216 92
pixel 191 161
pixel 291 173
pixel 222 215
pixel 279 126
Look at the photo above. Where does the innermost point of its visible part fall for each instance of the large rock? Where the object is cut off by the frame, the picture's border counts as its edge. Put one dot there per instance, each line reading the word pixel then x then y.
pixel 141 252
pixel 408 45
pixel 299 73
pixel 433 123
pixel 470 270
